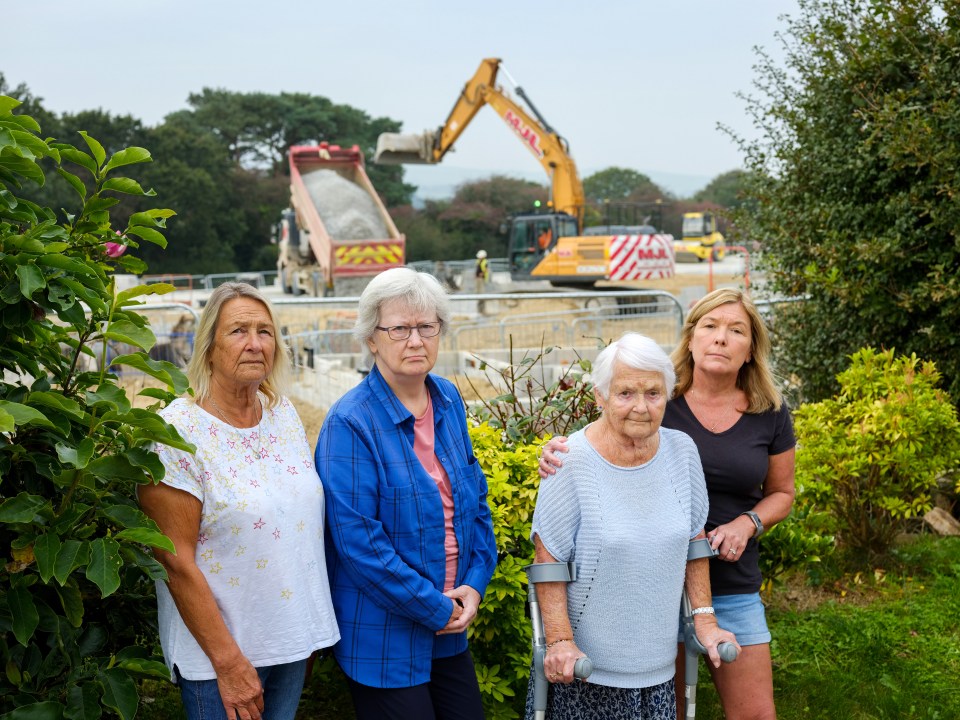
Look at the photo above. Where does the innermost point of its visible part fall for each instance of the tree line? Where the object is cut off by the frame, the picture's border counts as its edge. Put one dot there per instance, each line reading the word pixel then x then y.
pixel 222 166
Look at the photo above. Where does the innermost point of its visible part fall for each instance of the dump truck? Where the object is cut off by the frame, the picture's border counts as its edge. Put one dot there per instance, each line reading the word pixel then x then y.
pixel 336 235
pixel 544 245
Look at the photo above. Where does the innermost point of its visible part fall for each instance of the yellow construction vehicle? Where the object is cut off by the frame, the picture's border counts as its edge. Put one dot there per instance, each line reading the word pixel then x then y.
pixel 701 239
pixel 542 246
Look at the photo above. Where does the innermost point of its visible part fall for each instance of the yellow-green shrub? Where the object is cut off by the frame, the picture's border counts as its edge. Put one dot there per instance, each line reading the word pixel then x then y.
pixel 500 636
pixel 871 456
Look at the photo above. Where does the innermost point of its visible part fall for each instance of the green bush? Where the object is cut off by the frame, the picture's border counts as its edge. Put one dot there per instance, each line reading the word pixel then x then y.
pixel 500 637
pixel 76 583
pixel 798 542
pixel 871 456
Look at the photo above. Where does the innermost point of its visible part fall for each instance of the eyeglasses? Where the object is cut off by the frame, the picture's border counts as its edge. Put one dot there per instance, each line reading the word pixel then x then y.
pixel 402 332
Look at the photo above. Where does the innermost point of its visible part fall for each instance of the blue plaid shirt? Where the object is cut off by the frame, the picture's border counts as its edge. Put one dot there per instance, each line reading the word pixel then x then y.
pixel 385 531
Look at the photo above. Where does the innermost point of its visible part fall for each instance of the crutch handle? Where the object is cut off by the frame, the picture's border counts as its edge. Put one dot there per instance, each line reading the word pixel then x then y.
pixel 728 652
pixel 582 668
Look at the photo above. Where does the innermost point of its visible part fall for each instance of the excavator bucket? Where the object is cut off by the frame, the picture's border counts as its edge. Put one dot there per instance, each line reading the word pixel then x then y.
pixel 397 149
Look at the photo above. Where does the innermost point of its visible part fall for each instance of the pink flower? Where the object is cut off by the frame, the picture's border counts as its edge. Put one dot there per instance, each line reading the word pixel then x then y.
pixel 114 250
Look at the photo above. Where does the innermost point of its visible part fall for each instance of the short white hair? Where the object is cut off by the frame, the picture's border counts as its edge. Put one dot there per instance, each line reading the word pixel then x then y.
pixel 638 352
pixel 421 292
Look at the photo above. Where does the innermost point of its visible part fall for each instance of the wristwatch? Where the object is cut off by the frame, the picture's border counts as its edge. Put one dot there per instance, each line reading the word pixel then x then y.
pixel 756 522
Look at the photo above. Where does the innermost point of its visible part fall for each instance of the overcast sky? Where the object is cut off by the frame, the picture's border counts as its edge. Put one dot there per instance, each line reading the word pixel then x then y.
pixel 630 83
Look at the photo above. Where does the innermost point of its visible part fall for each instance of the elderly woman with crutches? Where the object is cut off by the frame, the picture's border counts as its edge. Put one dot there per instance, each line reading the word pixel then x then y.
pixel 623 508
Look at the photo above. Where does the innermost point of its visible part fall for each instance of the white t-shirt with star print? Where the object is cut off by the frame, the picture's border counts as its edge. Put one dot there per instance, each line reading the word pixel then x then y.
pixel 260 545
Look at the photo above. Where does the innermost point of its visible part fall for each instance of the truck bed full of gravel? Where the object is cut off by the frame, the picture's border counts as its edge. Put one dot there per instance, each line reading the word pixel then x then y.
pixel 346 210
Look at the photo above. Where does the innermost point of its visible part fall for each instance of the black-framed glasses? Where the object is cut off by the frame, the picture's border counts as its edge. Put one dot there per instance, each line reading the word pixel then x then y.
pixel 402 332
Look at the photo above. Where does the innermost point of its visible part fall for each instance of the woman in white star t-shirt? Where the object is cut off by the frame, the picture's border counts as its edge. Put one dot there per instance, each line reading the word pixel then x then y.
pixel 247 599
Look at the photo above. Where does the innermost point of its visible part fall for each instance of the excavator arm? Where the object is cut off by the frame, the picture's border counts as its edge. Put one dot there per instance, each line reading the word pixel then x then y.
pixel 550 150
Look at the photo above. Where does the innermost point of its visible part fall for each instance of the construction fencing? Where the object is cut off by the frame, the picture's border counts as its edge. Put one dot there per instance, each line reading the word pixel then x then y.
pixel 486 332
pixel 491 330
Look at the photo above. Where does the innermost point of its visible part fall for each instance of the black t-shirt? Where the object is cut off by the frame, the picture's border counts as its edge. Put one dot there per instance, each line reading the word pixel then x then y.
pixel 735 464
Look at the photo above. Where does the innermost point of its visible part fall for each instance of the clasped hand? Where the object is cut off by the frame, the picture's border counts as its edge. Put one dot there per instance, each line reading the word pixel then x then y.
pixel 466 602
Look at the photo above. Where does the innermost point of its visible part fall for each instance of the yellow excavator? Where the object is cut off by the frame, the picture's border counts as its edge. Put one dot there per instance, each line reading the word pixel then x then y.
pixel 542 246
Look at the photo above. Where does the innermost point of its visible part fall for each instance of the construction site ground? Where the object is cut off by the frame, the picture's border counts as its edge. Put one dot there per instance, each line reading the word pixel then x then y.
pixel 691 281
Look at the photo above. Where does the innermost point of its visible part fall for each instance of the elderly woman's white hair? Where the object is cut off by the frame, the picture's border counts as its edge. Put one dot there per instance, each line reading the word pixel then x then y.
pixel 420 292
pixel 638 352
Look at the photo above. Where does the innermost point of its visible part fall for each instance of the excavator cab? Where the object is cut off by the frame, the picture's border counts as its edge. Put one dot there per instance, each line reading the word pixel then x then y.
pixel 533 236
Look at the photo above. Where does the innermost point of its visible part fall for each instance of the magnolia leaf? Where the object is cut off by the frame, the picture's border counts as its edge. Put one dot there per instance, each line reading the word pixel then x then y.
pixel 62 262
pixel 126 185
pixel 158 394
pixel 145 668
pixel 151 218
pixel 21 509
pixel 7 104
pixel 119 692
pixel 146 562
pixel 145 536
pixel 127 156
pixel 7 423
pixel 24 414
pixel 77 457
pixel 23 167
pixel 95 207
pixel 111 395
pixel 47 710
pixel 129 517
pixel 31 279
pixel 58 402
pixel 68 152
pixel 45 550
pixel 83 702
pixel 115 467
pixel 104 567
pixel 147 459
pixel 72 601
pixel 99 154
pixel 152 289
pixel 75 182
pixel 73 554
pixel 30 141
pixel 126 332
pixel 165 372
pixel 24 613
pixel 148 234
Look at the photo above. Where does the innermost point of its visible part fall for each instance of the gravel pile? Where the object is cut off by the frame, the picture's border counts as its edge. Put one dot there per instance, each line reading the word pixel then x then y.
pixel 345 208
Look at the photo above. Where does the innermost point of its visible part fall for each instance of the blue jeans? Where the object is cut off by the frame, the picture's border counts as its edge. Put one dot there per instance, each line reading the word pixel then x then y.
pixel 282 685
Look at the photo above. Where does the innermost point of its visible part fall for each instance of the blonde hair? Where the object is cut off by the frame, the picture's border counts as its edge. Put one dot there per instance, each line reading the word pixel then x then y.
pixel 755 377
pixel 198 369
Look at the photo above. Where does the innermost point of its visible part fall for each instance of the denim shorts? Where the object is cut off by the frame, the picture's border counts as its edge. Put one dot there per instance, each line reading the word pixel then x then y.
pixel 743 615
pixel 282 686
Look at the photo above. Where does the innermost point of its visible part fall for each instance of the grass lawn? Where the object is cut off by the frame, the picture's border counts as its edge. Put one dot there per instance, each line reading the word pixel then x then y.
pixel 885 646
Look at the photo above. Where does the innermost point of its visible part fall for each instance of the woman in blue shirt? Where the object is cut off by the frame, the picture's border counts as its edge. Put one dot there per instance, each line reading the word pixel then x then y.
pixel 410 538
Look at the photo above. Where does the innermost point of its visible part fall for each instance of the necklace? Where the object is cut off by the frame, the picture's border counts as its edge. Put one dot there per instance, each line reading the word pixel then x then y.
pixel 253 434
pixel 712 428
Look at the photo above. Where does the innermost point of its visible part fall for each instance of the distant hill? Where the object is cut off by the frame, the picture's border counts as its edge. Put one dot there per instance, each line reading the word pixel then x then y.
pixel 438 182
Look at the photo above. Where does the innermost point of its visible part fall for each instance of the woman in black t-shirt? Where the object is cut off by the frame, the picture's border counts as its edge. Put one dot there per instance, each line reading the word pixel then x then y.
pixel 727 401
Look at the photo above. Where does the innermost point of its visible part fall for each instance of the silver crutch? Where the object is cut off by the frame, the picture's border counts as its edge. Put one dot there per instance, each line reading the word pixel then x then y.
pixel 693 648
pixel 537 573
